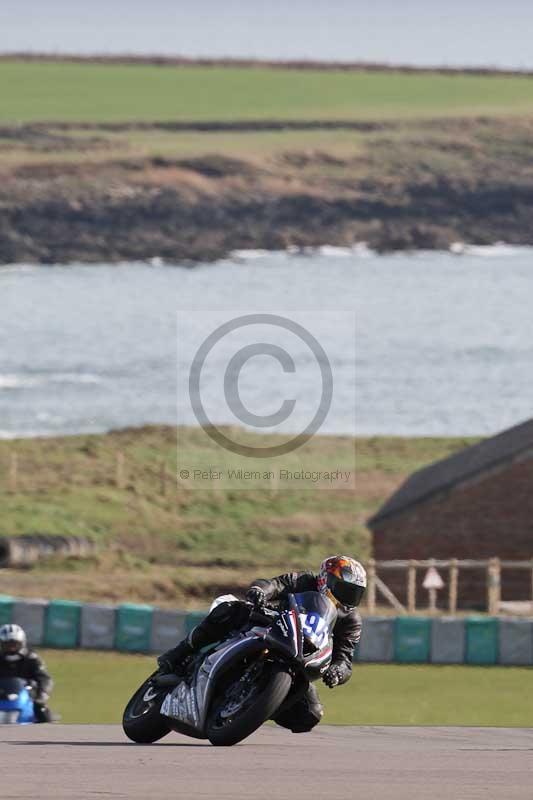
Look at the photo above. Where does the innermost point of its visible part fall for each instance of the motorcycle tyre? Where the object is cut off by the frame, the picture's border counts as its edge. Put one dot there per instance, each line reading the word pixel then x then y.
pixel 263 708
pixel 150 726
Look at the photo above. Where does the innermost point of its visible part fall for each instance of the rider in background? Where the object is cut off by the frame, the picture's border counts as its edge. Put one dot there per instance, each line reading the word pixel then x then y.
pixel 341 578
pixel 16 661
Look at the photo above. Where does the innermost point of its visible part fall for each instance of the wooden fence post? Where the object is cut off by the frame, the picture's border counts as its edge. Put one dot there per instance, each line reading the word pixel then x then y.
pixel 411 587
pixel 13 472
pixel 493 585
pixel 371 587
pixel 454 577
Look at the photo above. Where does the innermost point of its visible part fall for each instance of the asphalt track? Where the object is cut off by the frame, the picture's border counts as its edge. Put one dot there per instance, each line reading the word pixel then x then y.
pixel 378 763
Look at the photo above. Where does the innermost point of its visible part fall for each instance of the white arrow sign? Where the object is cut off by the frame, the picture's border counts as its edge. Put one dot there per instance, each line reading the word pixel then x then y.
pixel 432 579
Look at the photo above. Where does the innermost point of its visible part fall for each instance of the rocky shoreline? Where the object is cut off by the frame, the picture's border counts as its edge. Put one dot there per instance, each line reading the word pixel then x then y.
pixel 163 225
pixel 443 182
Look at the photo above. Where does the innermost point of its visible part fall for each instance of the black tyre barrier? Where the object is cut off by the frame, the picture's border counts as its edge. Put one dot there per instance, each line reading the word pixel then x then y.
pixel 23 551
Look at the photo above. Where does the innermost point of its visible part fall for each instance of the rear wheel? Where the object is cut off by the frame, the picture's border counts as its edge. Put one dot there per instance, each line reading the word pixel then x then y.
pixel 142 721
pixel 247 703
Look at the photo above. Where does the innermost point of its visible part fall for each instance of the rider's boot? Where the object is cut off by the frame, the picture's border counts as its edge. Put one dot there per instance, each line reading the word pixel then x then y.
pixel 42 712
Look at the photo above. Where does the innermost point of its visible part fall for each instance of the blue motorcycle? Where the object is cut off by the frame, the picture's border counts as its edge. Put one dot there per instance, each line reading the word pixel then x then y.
pixel 16 703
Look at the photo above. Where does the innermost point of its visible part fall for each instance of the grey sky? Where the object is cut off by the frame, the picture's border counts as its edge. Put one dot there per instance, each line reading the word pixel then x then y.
pixel 455 32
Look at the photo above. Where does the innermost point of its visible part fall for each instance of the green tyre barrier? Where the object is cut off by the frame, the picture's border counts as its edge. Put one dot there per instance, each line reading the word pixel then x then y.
pixel 62 624
pixel 134 628
pixel 6 609
pixel 412 637
pixel 481 640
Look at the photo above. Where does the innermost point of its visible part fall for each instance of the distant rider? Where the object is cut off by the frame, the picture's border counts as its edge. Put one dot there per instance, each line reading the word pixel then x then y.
pixel 341 579
pixel 16 661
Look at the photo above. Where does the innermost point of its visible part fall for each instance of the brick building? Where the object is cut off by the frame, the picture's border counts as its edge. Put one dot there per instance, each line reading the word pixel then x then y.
pixel 477 504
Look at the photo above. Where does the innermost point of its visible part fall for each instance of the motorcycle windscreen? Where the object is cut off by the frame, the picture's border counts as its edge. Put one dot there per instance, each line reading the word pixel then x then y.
pixel 317 615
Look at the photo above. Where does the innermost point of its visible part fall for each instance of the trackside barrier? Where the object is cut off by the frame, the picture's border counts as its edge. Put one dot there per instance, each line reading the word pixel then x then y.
pixel 134 625
pixel 377 641
pixel 62 624
pixel 139 628
pixel 448 640
pixel 193 618
pixel 6 609
pixel 412 638
pixel 481 640
pixel 98 627
pixel 516 641
pixel 30 615
pixel 168 627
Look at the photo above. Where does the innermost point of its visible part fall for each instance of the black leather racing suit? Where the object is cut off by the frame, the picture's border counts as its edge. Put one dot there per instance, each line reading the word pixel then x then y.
pixel 227 617
pixel 307 712
pixel 29 666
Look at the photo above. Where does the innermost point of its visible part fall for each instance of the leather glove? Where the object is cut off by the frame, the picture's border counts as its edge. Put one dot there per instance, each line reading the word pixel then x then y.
pixel 332 676
pixel 256 596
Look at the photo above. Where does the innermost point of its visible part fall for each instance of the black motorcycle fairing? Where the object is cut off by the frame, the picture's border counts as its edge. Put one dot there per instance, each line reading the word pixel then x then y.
pixel 189 702
pixel 314 608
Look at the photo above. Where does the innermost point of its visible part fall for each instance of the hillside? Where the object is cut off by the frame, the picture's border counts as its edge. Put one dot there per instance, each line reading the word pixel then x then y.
pixel 162 542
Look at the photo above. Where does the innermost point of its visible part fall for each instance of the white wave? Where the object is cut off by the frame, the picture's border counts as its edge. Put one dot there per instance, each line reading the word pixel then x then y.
pixel 360 249
pixel 496 250
pixel 249 255
pixel 6 269
pixel 31 381
pixel 335 252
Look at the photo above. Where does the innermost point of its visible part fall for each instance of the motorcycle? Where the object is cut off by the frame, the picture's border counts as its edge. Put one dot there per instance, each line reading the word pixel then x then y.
pixel 16 704
pixel 231 689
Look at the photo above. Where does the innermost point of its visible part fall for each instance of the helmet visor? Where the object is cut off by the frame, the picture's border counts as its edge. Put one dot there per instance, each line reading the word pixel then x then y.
pixel 11 646
pixel 348 594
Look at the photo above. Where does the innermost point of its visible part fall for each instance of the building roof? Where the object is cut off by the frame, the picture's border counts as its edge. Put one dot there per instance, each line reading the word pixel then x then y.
pixel 449 472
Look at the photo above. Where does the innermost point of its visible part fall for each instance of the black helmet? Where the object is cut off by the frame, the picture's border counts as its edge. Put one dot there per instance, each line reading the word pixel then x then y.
pixel 343 580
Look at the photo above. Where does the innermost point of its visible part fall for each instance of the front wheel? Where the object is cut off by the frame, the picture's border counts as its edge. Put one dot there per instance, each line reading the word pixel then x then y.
pixel 246 704
pixel 142 721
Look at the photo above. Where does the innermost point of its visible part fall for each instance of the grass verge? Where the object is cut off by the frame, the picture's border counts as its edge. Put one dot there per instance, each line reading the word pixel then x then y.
pixel 94 688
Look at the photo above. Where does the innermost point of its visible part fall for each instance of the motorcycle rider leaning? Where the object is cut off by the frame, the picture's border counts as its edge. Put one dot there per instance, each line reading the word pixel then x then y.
pixel 17 661
pixel 341 579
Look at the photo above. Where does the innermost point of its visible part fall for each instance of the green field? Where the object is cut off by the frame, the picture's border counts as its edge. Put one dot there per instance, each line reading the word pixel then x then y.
pixel 35 91
pixel 94 688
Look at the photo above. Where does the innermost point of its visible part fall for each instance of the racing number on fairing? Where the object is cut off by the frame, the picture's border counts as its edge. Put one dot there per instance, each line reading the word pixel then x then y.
pixel 314 627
